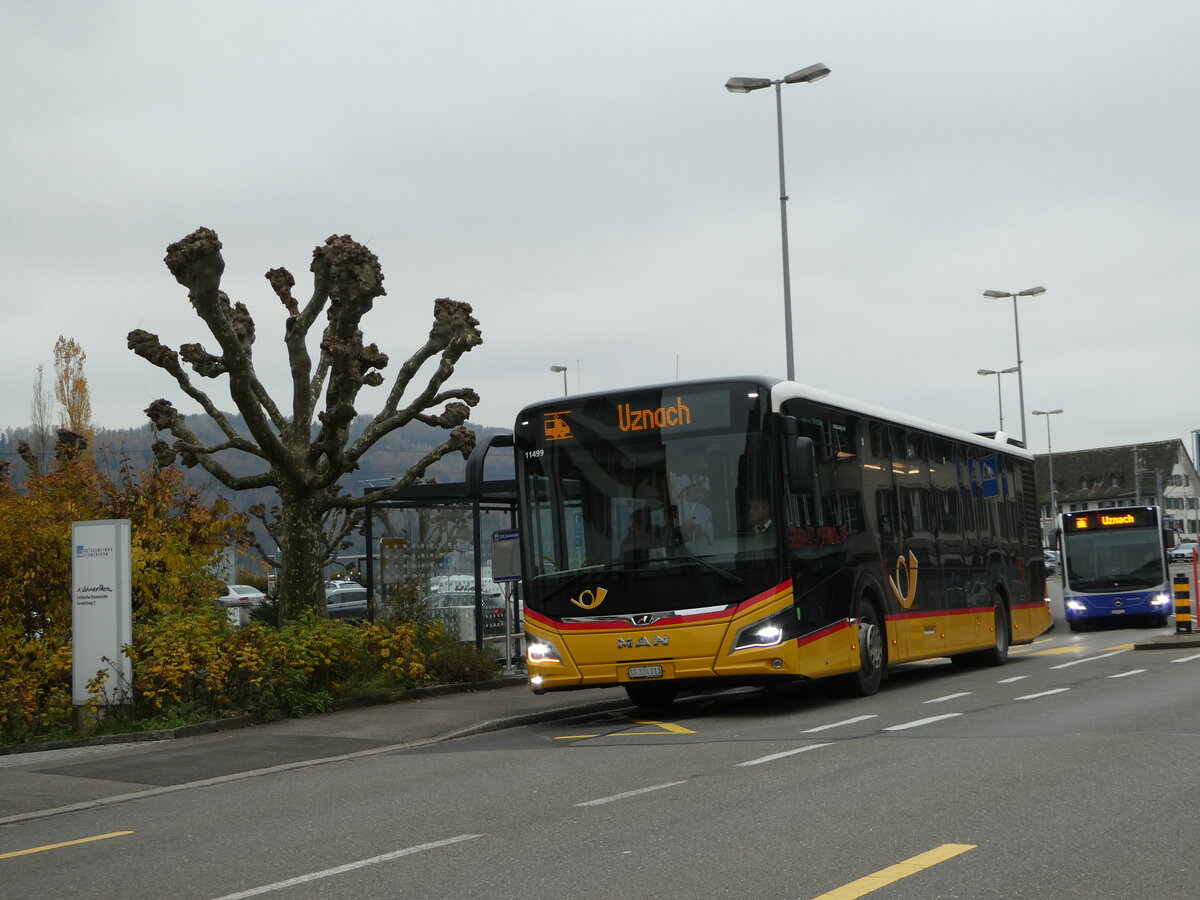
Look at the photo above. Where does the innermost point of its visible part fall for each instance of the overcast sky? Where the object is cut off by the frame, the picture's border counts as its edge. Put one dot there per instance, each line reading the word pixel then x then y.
pixel 578 173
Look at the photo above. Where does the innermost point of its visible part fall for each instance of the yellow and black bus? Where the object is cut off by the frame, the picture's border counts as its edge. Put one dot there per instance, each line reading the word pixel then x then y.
pixel 744 531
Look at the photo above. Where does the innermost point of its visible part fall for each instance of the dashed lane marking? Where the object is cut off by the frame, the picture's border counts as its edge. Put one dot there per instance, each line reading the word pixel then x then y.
pixel 348 867
pixel 948 697
pixel 1042 694
pixel 775 756
pixel 853 721
pixel 625 794
pixel 1127 674
pixel 1076 662
pixel 917 723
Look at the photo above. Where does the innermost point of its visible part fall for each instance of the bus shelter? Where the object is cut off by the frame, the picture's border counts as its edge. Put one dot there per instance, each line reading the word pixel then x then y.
pixel 477 495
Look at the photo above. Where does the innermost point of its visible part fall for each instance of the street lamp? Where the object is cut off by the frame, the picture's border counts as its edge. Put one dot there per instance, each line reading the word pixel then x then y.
pixel 999 396
pixel 999 295
pixel 807 75
pixel 562 369
pixel 1050 460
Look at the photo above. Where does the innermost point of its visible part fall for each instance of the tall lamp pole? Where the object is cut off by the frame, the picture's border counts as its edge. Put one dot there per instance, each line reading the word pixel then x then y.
pixel 562 369
pixel 1050 459
pixel 999 395
pixel 1000 295
pixel 807 75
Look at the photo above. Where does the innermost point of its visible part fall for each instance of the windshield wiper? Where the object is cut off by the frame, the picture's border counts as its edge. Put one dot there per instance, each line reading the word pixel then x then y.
pixel 727 575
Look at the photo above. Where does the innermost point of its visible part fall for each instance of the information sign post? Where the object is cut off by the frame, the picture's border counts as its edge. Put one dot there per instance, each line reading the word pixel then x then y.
pixel 101 609
pixel 506 569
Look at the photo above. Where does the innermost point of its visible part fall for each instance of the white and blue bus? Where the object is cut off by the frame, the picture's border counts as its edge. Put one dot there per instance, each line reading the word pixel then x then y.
pixel 1114 564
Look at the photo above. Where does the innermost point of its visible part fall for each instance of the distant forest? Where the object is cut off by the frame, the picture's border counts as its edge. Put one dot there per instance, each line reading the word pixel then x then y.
pixel 389 458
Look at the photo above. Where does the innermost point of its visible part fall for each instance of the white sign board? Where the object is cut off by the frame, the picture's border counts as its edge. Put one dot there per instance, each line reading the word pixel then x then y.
pixel 506 556
pixel 101 609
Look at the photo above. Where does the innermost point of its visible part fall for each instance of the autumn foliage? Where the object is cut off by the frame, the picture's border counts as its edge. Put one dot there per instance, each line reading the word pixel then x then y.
pixel 186 653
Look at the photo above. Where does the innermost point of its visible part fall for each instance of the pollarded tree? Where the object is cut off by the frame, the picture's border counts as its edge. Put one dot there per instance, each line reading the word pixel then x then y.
pixel 300 459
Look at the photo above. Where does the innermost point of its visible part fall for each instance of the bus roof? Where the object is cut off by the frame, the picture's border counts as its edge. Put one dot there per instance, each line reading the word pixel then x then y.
pixel 787 390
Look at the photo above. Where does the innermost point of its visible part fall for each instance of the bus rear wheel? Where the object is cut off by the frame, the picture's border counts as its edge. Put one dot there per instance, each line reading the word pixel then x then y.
pixel 872 652
pixel 651 696
pixel 997 654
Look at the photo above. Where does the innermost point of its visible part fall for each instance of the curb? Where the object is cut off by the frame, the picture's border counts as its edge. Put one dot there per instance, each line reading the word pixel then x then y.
pixel 245 721
pixel 1169 642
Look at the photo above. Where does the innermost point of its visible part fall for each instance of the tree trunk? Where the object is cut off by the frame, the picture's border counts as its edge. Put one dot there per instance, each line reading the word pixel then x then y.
pixel 301 581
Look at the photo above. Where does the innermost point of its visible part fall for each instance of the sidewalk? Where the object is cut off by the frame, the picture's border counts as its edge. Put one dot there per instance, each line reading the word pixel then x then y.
pixel 45 782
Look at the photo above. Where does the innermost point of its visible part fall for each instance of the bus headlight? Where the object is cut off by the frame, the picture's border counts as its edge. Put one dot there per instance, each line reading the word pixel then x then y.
pixel 1160 600
pixel 539 650
pixel 1076 606
pixel 769 632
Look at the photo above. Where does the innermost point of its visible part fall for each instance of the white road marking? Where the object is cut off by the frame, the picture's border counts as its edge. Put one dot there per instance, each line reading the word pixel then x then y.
pixel 348 867
pixel 838 724
pixel 949 697
pixel 1076 662
pixel 919 722
pixel 1187 658
pixel 1011 680
pixel 1042 694
pixel 774 756
pixel 1127 674
pixel 622 796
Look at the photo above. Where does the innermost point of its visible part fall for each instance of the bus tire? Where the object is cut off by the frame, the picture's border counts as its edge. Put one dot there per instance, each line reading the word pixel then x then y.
pixel 997 654
pixel 872 652
pixel 651 696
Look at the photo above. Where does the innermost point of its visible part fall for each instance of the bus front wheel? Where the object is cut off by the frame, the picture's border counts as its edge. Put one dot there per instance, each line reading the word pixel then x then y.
pixel 651 696
pixel 872 652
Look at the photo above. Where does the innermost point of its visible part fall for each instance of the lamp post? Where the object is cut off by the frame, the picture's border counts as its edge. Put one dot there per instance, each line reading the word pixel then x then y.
pixel 999 396
pixel 1000 295
pixel 807 75
pixel 562 369
pixel 1050 459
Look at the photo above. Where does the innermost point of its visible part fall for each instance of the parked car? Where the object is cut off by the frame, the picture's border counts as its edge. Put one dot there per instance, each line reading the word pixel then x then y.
pixel 346 600
pixel 241 593
pixel 456 610
pixel 1183 552
pixel 1050 558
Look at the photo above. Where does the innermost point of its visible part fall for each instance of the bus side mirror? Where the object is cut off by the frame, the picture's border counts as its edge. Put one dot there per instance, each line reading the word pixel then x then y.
pixel 802 474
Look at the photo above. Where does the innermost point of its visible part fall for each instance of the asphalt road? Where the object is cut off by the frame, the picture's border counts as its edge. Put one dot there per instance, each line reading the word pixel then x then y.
pixel 1071 772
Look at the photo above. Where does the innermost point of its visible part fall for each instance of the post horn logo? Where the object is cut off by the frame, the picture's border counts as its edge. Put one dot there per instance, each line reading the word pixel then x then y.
pixel 589 599
pixel 906 575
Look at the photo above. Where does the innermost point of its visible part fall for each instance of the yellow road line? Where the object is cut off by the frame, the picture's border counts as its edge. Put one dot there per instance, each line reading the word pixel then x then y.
pixel 86 840
pixel 884 877
pixel 1120 647
pixel 667 728
pixel 1056 651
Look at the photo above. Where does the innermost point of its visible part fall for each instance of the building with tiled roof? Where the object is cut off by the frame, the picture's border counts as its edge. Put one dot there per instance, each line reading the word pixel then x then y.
pixel 1156 473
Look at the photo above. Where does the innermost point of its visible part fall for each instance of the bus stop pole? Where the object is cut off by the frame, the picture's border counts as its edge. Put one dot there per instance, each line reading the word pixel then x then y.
pixel 477 536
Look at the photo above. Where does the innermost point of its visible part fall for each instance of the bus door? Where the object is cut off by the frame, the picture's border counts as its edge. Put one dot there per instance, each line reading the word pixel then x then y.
pixel 883 504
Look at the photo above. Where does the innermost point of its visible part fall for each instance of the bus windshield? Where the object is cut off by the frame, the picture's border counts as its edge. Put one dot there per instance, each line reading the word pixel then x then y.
pixel 650 502
pixel 1098 561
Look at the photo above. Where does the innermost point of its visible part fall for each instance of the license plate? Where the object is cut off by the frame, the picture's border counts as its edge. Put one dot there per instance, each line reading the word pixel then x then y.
pixel 645 672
